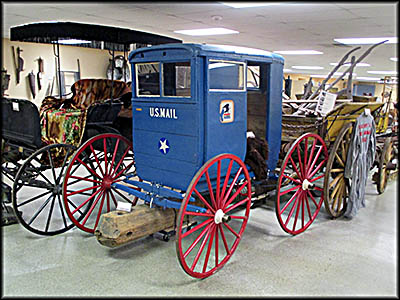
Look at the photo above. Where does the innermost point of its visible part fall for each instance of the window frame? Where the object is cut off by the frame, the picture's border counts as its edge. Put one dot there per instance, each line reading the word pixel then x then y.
pixel 162 78
pixel 137 78
pixel 212 60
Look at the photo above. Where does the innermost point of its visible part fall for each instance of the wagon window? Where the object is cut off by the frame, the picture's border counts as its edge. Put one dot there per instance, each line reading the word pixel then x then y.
pixel 253 77
pixel 176 79
pixel 224 75
pixel 148 79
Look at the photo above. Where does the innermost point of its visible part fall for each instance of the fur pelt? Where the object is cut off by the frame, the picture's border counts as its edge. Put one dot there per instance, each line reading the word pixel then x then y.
pixel 256 156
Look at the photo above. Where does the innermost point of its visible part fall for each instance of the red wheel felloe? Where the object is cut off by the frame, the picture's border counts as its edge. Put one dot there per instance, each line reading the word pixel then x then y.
pixel 298 198
pixel 87 190
pixel 205 247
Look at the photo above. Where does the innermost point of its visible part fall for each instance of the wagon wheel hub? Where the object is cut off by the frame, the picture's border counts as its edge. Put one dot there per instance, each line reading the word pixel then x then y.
pixel 306 185
pixel 107 181
pixel 221 217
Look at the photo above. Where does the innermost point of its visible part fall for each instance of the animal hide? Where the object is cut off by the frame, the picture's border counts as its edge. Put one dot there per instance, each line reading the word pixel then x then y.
pixel 256 157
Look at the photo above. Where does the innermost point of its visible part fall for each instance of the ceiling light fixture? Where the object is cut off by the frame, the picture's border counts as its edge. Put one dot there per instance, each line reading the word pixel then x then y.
pixel 383 72
pixel 368 78
pixel 360 41
pixel 287 70
pixel 247 4
pixel 393 58
pixel 206 31
pixel 308 67
pixel 73 42
pixel 348 64
pixel 298 52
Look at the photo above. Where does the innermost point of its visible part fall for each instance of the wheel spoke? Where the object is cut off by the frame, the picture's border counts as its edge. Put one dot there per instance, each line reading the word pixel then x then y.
pixel 339 160
pixel 85 179
pixel 224 239
pixel 88 168
pixel 297 210
pixel 62 210
pixel 113 157
pixel 113 197
pixel 292 209
pixel 317 168
pixel 105 155
pixel 209 248
pixel 231 230
pixel 311 153
pixel 204 201
pixel 97 160
pixel 316 178
pixel 198 214
pixel 196 241
pixel 289 190
pixel 210 190
pixel 312 198
pixel 236 205
pixel 292 179
pixel 39 210
pixel 50 214
pixel 197 227
pixel 295 168
pixel 308 207
pixel 33 199
pixel 315 159
pixel 123 196
pixel 52 166
pixel 86 201
pixel 230 187
pixel 228 173
pixel 218 183
pixel 92 207
pixel 334 181
pixel 83 190
pixel 289 201
pixel 302 171
pixel 235 195
pixel 202 245
pixel 216 246
pixel 305 154
pixel 100 209
pixel 120 161
pixel 123 169
pixel 63 165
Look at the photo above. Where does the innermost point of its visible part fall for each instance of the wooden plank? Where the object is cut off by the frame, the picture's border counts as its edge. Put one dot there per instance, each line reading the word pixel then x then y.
pixel 118 227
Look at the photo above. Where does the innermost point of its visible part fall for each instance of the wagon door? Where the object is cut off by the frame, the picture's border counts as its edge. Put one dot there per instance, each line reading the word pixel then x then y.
pixel 225 107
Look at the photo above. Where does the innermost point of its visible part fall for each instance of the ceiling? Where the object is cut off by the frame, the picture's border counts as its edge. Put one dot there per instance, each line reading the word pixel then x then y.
pixel 287 26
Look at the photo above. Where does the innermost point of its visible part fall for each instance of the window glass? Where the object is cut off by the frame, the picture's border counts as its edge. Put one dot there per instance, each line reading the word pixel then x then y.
pixel 253 77
pixel 176 79
pixel 148 79
pixel 225 75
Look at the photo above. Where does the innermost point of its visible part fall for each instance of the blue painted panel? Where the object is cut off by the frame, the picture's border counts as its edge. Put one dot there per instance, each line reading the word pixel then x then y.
pixel 168 172
pixel 273 133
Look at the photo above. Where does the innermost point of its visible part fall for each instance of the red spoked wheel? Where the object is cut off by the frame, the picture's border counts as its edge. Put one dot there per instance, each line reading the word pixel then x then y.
pixel 205 248
pixel 98 163
pixel 298 198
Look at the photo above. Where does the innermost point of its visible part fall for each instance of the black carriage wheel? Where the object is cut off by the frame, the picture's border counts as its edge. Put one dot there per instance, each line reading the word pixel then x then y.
pixel 383 172
pixel 37 191
pixel 336 186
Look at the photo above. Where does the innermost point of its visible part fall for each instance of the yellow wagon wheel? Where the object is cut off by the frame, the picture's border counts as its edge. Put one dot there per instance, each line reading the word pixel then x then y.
pixel 384 172
pixel 336 186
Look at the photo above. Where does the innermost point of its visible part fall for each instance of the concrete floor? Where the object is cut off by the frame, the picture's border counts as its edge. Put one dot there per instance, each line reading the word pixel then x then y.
pixel 332 258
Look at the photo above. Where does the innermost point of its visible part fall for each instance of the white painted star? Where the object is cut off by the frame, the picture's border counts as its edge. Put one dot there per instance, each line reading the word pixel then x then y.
pixel 164 146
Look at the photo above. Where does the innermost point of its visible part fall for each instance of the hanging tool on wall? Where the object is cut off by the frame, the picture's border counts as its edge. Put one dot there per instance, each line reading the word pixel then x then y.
pixel 40 72
pixel 18 62
pixel 31 79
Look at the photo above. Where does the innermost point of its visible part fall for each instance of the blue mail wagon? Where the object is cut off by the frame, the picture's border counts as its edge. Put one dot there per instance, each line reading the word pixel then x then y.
pixel 191 102
pixel 192 106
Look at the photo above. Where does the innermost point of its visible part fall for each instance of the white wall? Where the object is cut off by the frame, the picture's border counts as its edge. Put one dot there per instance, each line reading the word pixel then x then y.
pixel 93 64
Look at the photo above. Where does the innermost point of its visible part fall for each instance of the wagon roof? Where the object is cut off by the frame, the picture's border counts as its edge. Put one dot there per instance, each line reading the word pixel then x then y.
pixel 207 49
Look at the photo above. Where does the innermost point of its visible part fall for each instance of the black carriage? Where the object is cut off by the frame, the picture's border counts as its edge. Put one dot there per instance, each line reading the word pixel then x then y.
pixel 38 143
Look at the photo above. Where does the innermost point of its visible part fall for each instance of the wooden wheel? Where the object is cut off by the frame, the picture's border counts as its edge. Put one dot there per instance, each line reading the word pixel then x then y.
pixel 298 198
pixel 336 186
pixel 97 164
pixel 36 195
pixel 205 248
pixel 383 172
